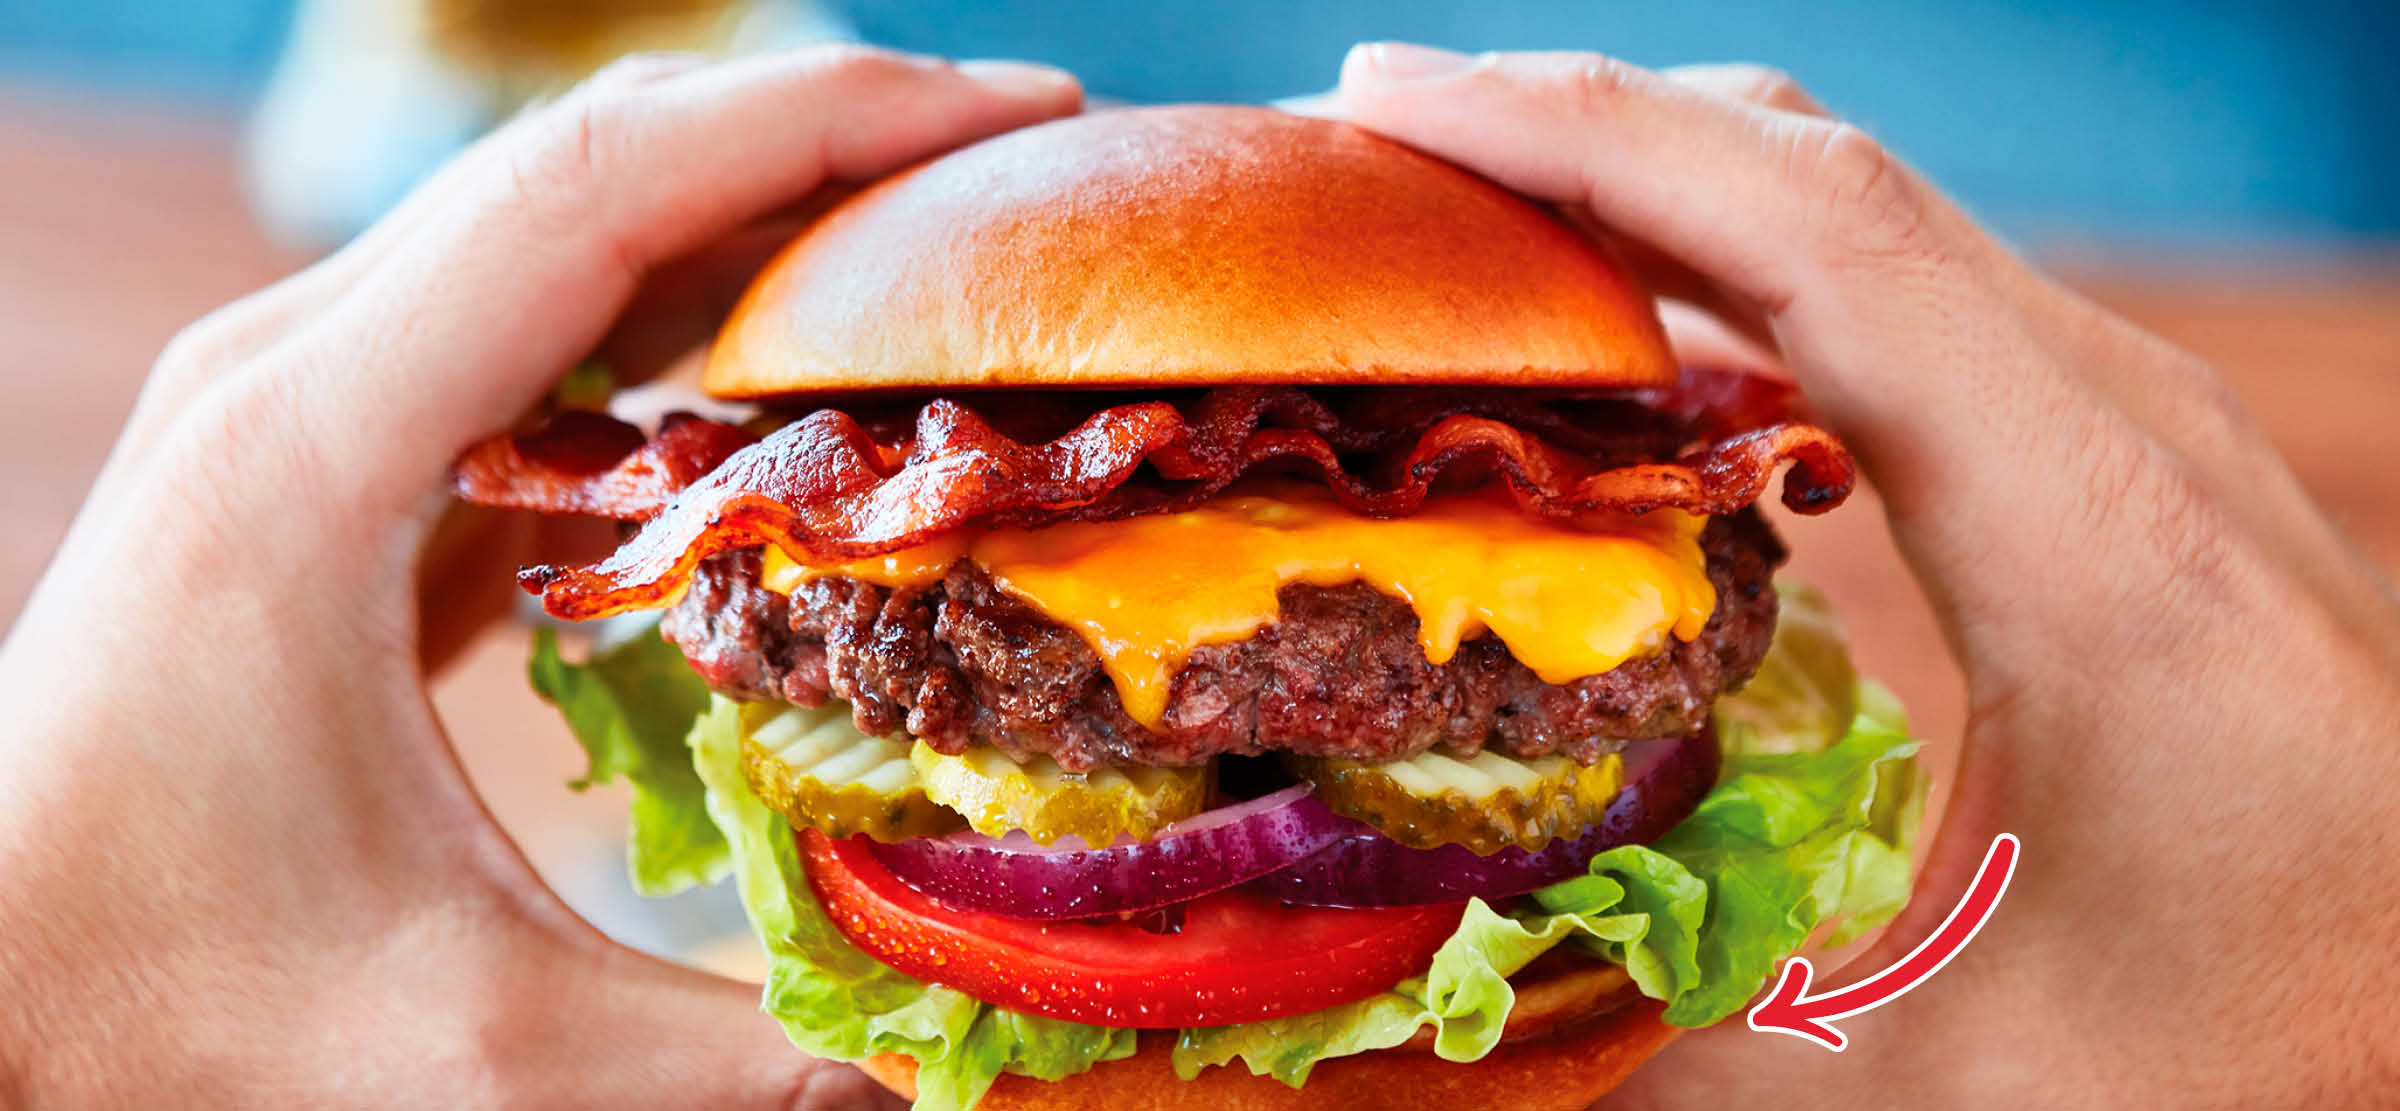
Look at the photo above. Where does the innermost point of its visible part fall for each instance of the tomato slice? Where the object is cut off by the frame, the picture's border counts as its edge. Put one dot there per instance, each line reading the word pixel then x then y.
pixel 1239 957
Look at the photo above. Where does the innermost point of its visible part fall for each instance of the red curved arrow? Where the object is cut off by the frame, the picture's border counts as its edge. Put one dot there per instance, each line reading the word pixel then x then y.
pixel 1787 1010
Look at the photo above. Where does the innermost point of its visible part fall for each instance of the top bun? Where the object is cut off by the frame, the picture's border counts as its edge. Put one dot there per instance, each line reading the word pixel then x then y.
pixel 1187 246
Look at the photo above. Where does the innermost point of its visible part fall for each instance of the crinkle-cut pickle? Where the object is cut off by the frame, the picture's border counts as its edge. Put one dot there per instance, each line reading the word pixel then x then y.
pixel 997 795
pixel 817 770
pixel 1487 802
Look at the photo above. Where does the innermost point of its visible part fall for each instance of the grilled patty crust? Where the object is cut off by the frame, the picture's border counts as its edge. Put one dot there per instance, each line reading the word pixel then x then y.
pixel 1339 673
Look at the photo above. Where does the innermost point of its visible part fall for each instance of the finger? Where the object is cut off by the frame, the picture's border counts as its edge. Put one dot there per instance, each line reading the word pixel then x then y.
pixel 463 580
pixel 1957 374
pixel 466 573
pixel 456 181
pixel 1663 275
pixel 622 1029
pixel 2176 398
pixel 1763 86
pixel 1880 298
pixel 1842 256
pixel 212 347
pixel 246 328
pixel 683 302
pixel 1808 221
pixel 1704 326
pixel 1699 176
pixel 551 230
pixel 1324 105
pixel 2163 390
pixel 1700 338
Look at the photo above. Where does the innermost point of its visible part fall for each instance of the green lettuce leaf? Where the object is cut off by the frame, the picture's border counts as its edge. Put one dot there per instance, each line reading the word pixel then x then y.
pixel 1465 998
pixel 835 1001
pixel 1805 693
pixel 1784 844
pixel 630 706
pixel 588 386
pixel 1811 824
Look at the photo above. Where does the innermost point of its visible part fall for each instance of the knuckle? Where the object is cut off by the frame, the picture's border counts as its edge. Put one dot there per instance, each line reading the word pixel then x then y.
pixel 2210 409
pixel 264 438
pixel 1874 205
pixel 1594 84
pixel 854 62
pixel 550 170
pixel 2158 506
pixel 1771 87
pixel 567 141
pixel 235 430
pixel 206 348
pixel 196 352
pixel 566 150
pixel 2188 528
pixel 243 406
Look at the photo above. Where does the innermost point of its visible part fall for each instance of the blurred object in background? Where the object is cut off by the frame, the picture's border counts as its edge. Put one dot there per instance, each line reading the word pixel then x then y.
pixel 370 95
pixel 2120 123
pixel 2130 121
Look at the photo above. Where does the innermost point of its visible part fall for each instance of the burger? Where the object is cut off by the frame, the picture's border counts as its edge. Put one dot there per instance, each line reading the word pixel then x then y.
pixel 1214 608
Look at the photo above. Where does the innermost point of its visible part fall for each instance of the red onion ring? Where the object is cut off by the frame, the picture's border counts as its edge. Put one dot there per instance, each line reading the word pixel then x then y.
pixel 1664 781
pixel 1201 855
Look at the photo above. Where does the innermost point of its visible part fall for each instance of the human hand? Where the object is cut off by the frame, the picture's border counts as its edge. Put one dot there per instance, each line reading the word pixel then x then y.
pixel 2183 681
pixel 238 862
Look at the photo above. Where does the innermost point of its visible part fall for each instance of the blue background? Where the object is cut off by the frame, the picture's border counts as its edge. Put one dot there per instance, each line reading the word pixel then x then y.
pixel 2140 121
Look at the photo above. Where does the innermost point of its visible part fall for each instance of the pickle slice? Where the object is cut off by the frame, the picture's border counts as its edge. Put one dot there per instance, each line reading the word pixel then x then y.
pixel 998 794
pixel 1487 802
pixel 817 770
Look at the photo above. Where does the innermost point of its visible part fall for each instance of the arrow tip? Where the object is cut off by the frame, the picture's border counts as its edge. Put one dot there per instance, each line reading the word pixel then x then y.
pixel 1781 1011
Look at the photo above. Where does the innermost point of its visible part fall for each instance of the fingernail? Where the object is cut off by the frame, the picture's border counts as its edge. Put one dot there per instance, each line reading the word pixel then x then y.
pixel 1404 61
pixel 1014 78
pixel 1322 105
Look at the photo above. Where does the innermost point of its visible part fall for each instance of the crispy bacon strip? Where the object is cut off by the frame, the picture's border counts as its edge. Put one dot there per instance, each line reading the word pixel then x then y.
pixel 594 465
pixel 838 488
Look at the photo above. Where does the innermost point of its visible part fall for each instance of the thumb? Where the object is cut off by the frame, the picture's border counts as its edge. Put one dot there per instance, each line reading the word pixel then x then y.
pixel 1886 304
pixel 628 1030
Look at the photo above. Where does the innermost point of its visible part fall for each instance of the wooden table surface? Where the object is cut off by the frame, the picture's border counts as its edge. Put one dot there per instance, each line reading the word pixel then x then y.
pixel 117 227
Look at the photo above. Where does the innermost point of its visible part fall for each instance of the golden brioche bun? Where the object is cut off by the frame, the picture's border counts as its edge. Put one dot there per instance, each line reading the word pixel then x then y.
pixel 1564 1071
pixel 1186 246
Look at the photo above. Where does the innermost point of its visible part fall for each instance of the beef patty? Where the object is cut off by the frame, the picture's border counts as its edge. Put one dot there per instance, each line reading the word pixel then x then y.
pixel 1340 672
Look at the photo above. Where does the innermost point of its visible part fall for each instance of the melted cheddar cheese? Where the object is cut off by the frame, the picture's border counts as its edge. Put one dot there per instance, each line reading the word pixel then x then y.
pixel 1568 599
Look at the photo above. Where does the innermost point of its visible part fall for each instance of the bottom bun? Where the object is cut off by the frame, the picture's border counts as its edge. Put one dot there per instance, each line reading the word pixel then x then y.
pixel 1559 1072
